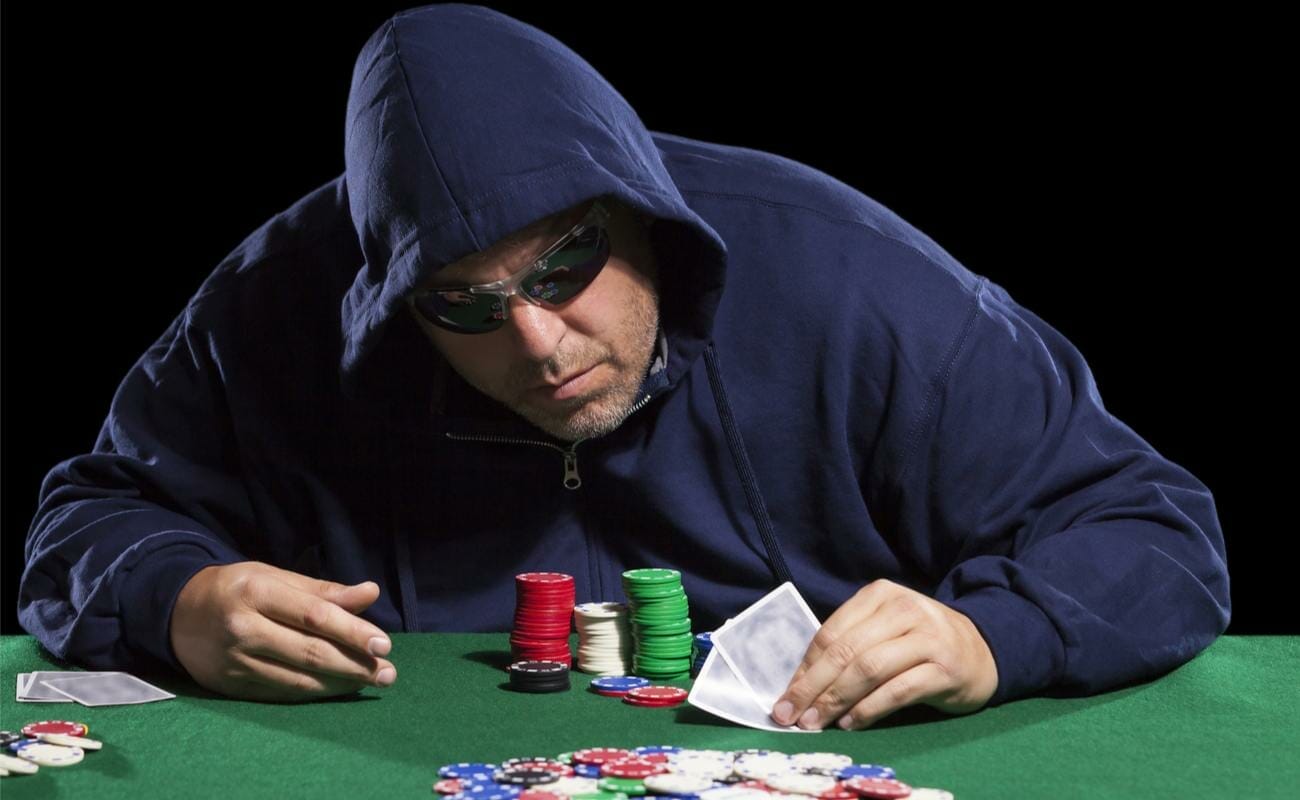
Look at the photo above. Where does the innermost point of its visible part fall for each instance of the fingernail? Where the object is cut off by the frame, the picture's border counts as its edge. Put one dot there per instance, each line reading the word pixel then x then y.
pixel 783 711
pixel 380 646
pixel 386 676
pixel 809 719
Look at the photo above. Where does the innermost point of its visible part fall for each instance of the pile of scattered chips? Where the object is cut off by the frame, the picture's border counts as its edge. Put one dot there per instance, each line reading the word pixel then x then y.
pixel 611 773
pixel 604 640
pixel 703 646
pixel 539 676
pixel 50 743
pixel 543 615
pixel 661 623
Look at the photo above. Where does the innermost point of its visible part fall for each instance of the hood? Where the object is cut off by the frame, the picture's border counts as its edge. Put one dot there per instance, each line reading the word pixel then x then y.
pixel 465 125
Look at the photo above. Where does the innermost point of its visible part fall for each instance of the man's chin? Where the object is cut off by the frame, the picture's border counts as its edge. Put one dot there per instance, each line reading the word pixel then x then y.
pixel 587 420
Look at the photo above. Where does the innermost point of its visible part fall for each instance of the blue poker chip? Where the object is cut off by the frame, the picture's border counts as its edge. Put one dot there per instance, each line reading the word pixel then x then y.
pixel 490 791
pixel 650 749
pixel 864 771
pixel 586 770
pixel 704 640
pixel 619 683
pixel 468 770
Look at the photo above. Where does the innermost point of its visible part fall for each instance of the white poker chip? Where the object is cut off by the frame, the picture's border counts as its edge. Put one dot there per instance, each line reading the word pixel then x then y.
pixel 799 783
pixel 708 770
pixel 678 783
pixel 761 767
pixel 50 755
pixel 17 765
pixel 825 763
pixel 734 793
pixel 572 785
pixel 929 794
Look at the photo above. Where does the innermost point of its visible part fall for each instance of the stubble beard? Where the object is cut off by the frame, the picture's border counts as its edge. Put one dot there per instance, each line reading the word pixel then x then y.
pixel 600 413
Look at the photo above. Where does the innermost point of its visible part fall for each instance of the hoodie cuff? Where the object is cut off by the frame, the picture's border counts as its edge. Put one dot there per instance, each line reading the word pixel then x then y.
pixel 1026 647
pixel 150 592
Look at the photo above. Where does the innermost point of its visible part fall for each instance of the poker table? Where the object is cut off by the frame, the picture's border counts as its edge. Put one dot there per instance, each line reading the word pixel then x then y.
pixel 1226 724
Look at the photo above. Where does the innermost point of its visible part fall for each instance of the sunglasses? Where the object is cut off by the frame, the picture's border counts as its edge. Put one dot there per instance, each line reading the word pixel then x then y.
pixel 558 275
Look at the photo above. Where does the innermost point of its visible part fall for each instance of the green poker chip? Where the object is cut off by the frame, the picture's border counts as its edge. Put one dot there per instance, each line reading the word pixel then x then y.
pixel 651 576
pixel 628 786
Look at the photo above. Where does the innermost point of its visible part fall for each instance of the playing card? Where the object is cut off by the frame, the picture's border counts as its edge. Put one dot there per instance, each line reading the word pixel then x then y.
pixel 107 689
pixel 718 691
pixel 29 691
pixel 765 644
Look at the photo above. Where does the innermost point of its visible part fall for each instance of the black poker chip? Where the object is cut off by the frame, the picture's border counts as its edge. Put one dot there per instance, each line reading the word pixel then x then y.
pixel 539 677
pixel 9 737
pixel 525 777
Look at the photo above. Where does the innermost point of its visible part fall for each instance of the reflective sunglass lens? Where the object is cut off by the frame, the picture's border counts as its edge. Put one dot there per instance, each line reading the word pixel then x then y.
pixel 571 269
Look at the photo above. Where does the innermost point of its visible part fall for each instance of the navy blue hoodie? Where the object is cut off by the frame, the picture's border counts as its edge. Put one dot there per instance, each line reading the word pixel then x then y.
pixel 837 400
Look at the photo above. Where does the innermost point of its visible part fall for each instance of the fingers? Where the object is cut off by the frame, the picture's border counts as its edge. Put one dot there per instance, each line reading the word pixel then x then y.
pixel 302 651
pixel 848 617
pixel 313 605
pixel 316 617
pixel 270 680
pixel 907 688
pixel 850 666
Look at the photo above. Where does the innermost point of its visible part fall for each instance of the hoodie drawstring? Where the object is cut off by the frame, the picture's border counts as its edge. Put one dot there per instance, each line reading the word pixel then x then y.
pixel 737 445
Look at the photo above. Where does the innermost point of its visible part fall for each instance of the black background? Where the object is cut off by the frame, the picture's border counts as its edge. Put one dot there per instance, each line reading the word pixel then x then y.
pixel 1117 177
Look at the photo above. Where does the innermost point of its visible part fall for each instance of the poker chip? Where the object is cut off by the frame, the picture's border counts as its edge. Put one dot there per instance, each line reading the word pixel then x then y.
pixel 538 794
pixel 468 770
pixel 490 791
pixel 763 766
pixel 447 786
pixel 571 786
pixel 677 783
pixel 50 755
pixel 617 686
pixel 519 776
pixel 800 783
pixel 924 793
pixel 586 770
pixel 656 696
pixel 655 748
pixel 882 788
pixel 539 676
pixel 864 771
pixel 54 726
pixel 628 786
pixel 632 767
pixel 7 738
pixel 595 756
pixel 17 765
pixel 821 763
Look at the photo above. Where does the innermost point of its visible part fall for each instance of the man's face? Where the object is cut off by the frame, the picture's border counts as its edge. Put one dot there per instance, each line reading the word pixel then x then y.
pixel 572 370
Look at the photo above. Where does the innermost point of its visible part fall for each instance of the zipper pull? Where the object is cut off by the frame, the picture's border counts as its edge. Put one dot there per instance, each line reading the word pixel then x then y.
pixel 571 479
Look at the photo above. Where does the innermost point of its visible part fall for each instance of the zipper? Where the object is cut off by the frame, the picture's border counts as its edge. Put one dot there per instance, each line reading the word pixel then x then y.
pixel 571 478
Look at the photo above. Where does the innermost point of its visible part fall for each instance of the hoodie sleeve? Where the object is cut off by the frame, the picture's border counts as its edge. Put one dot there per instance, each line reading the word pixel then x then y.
pixel 119 531
pixel 1085 558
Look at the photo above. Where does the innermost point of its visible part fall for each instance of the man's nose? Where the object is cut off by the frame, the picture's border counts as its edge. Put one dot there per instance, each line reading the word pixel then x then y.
pixel 537 330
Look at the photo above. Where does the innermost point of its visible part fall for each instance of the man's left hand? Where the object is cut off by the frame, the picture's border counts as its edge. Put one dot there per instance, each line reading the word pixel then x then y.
pixel 886 648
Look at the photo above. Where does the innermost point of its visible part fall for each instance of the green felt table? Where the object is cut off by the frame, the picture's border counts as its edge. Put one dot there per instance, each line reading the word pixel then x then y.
pixel 1223 725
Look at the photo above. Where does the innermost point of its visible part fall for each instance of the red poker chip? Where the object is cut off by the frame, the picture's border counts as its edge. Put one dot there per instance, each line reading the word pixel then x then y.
pixel 563 770
pixel 839 792
pixel 611 692
pixel 635 768
pixel 595 756
pixel 763 787
pixel 879 788
pixel 658 704
pixel 535 794
pixel 447 786
pixel 544 579
pixel 54 726
pixel 654 758
pixel 657 695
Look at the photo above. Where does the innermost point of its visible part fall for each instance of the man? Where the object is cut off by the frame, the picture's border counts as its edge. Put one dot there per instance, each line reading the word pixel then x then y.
pixel 522 332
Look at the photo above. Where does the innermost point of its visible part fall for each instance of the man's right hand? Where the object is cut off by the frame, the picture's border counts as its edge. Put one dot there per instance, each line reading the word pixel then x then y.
pixel 254 631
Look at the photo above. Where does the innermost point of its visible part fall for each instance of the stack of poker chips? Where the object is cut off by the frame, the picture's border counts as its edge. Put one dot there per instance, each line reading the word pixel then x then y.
pixel 604 639
pixel 543 615
pixel 51 743
pixel 539 676
pixel 661 623
pixel 703 646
